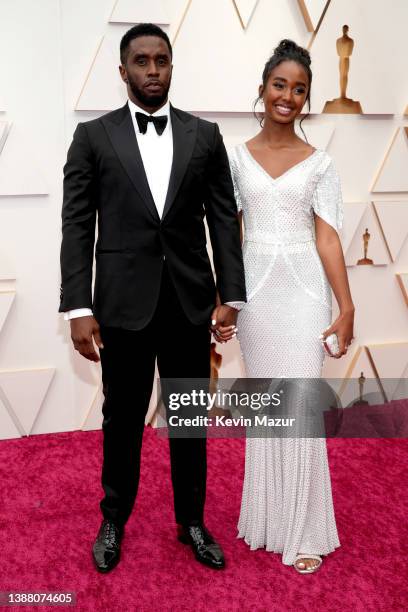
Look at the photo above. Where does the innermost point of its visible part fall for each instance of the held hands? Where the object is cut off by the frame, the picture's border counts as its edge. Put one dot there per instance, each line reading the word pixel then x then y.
pixel 343 327
pixel 83 329
pixel 223 323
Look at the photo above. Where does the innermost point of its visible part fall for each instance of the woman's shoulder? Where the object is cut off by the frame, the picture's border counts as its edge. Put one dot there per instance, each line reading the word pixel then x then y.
pixel 326 169
pixel 324 154
pixel 234 158
pixel 235 152
pixel 324 159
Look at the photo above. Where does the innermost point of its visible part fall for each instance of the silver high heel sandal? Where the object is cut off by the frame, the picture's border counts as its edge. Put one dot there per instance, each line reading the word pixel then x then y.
pixel 310 570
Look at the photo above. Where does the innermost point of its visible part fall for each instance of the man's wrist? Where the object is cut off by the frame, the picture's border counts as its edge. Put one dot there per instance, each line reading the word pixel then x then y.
pixel 77 312
pixel 236 305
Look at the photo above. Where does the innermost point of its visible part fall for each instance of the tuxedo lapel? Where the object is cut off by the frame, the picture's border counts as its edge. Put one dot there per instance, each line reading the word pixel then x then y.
pixel 184 137
pixel 123 138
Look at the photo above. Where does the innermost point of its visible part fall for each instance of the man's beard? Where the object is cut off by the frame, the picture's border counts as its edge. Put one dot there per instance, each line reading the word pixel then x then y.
pixel 151 100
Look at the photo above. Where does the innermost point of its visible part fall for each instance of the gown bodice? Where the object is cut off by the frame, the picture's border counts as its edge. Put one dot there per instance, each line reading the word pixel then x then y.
pixel 282 208
pixel 278 215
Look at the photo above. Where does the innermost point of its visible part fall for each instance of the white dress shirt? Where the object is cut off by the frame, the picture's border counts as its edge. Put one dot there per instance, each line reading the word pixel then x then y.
pixel 157 156
pixel 156 152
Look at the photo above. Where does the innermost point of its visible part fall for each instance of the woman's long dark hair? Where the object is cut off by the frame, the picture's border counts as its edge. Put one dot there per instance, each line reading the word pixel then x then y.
pixel 287 50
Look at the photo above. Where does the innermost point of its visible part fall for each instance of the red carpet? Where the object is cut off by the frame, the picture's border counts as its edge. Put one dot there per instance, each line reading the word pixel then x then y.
pixel 49 516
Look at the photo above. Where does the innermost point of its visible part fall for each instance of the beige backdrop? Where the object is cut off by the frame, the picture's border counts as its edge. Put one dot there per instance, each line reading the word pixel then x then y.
pixel 58 66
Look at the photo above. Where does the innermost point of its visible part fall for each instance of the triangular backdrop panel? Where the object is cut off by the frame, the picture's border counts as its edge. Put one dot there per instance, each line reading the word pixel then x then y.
pixel 349 391
pixel 353 213
pixel 103 89
pixel 390 361
pixel 4 127
pixel 394 222
pixel 18 172
pixel 336 369
pixel 393 175
pixel 93 418
pixel 401 392
pixel 139 11
pixel 6 300
pixel 245 10
pixel 8 430
pixel 377 249
pixel 25 391
pixel 312 11
pixel 402 279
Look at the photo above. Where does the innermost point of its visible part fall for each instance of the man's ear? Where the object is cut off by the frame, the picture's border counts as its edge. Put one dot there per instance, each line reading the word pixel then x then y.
pixel 123 73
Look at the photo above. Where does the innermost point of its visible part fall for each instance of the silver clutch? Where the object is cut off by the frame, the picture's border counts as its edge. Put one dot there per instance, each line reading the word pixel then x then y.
pixel 331 345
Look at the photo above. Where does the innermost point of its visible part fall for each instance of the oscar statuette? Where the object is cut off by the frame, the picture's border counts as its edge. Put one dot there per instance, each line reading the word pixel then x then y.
pixel 344 46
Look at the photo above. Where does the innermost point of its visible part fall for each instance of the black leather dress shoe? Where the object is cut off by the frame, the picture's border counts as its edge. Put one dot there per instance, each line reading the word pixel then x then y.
pixel 205 548
pixel 106 549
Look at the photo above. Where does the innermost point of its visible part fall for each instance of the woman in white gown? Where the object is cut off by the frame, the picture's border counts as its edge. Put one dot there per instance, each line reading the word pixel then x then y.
pixel 289 196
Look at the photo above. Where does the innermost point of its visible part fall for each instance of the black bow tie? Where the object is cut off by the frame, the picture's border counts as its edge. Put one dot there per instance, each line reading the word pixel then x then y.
pixel 158 122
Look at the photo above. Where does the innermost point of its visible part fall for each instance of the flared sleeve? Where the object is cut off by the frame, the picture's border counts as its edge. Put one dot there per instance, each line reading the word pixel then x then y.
pixel 327 196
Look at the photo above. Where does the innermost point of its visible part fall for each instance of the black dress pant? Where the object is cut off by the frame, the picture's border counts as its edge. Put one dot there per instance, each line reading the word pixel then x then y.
pixel 128 364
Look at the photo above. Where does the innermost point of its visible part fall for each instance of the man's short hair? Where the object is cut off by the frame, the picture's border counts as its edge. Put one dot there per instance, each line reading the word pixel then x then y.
pixel 142 29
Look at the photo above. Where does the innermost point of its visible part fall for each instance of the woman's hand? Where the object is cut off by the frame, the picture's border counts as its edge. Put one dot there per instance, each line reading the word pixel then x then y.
pixel 343 327
pixel 223 323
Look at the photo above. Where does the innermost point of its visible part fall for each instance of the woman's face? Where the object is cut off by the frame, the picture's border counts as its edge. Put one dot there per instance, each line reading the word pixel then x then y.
pixel 285 92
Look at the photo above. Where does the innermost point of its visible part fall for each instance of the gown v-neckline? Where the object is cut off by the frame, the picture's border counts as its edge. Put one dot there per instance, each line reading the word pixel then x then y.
pixel 274 180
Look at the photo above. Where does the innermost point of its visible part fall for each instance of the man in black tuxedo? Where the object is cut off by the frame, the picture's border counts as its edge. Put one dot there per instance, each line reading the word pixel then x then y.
pixel 149 173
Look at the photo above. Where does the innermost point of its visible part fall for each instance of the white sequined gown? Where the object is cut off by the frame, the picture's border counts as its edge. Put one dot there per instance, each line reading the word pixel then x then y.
pixel 287 504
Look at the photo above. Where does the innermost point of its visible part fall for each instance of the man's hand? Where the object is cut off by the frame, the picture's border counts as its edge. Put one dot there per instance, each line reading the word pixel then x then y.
pixel 223 323
pixel 83 329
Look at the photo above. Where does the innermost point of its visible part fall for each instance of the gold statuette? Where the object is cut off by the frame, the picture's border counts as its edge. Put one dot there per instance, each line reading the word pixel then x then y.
pixel 344 46
pixel 361 382
pixel 365 261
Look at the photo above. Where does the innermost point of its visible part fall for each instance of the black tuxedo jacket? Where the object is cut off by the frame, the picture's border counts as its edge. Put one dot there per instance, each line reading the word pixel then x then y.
pixel 104 180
